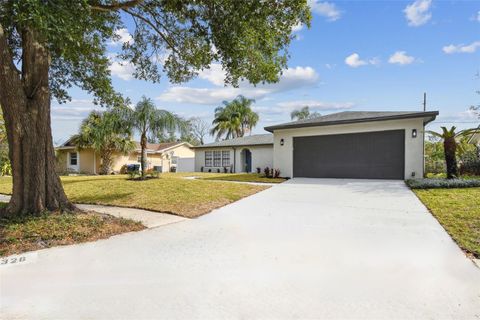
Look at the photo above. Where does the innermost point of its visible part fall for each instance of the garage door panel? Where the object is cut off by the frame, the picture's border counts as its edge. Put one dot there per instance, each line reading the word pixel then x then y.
pixel 373 155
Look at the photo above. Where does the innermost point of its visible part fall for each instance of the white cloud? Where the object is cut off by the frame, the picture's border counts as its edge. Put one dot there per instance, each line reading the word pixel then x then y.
pixel 401 58
pixel 461 48
pixel 418 12
pixel 215 74
pixel 76 109
pixel 121 68
pixel 354 61
pixel 325 9
pixel 292 78
pixel 478 16
pixel 297 27
pixel 122 36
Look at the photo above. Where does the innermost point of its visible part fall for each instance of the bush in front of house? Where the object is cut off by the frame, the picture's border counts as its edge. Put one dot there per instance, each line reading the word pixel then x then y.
pixel 470 167
pixel 442 183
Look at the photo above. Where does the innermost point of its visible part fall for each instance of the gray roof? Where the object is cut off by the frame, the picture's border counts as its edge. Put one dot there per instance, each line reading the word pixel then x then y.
pixel 253 140
pixel 353 117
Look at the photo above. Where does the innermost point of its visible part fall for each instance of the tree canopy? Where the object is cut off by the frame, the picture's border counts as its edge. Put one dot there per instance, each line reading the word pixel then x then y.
pixel 303 113
pixel 176 37
pixel 234 119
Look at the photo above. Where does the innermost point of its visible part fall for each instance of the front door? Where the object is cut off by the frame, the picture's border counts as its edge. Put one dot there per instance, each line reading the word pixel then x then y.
pixel 248 161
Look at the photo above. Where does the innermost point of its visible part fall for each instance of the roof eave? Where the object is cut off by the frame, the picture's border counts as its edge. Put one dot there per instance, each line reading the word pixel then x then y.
pixel 431 115
pixel 233 146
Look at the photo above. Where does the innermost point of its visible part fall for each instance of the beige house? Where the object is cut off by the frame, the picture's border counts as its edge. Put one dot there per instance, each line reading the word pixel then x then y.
pixel 161 157
pixel 350 144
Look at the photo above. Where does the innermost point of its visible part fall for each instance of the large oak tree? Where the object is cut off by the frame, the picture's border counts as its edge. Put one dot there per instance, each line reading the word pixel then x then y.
pixel 48 46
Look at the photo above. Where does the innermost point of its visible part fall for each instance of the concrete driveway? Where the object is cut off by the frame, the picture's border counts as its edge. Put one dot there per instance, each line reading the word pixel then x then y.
pixel 308 248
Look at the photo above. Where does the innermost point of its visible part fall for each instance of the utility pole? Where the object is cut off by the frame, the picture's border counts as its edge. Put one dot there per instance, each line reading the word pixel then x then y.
pixel 424 101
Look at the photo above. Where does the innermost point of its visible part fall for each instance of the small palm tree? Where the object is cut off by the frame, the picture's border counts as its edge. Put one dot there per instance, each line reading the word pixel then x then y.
pixel 450 144
pixel 150 121
pixel 303 113
pixel 234 119
pixel 106 133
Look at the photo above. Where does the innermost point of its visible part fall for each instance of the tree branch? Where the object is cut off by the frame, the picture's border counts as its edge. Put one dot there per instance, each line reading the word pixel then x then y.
pixel 154 27
pixel 115 5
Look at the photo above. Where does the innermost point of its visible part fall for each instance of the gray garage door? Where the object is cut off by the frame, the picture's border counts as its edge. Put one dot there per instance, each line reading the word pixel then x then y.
pixel 368 155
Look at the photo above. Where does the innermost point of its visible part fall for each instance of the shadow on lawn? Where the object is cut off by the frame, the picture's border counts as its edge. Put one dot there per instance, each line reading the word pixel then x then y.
pixel 101 198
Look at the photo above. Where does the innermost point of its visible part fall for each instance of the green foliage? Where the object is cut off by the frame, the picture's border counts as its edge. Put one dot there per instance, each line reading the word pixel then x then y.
pixel 235 119
pixel 304 113
pixel 105 132
pixel 442 183
pixel 249 38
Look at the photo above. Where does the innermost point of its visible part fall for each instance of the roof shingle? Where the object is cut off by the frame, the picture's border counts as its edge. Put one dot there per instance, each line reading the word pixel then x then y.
pixel 257 139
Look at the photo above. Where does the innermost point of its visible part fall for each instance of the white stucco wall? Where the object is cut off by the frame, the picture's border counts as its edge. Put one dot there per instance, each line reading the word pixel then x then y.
pixel 283 155
pixel 262 156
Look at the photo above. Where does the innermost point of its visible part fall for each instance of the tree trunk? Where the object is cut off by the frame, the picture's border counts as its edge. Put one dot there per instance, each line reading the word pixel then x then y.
pixel 25 100
pixel 450 149
pixel 106 166
pixel 143 157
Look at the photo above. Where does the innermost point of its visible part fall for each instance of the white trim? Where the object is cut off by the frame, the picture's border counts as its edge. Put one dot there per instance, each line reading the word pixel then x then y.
pixel 73 167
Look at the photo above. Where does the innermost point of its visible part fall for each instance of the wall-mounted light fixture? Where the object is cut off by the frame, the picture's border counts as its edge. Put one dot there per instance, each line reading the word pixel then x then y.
pixel 413 174
pixel 282 142
pixel 414 133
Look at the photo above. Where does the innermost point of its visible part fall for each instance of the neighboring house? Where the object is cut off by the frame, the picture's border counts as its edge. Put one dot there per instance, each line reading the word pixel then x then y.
pixel 162 156
pixel 351 144
pixel 235 155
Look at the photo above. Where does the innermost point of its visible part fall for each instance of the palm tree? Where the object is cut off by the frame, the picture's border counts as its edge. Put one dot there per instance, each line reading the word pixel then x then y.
pixel 303 113
pixel 450 143
pixel 105 132
pixel 150 121
pixel 234 119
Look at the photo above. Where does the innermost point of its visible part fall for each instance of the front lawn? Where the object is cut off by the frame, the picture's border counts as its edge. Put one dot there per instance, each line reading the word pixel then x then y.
pixel 33 233
pixel 171 193
pixel 458 210
pixel 242 177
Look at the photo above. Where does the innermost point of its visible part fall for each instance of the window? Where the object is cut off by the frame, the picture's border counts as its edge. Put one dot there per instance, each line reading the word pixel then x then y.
pixel 217 158
pixel 73 159
pixel 139 158
pixel 208 158
pixel 225 158
pixel 174 160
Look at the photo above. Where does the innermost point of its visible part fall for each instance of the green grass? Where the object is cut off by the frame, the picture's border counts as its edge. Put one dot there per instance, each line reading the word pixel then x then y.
pixel 458 210
pixel 242 177
pixel 170 193
pixel 53 229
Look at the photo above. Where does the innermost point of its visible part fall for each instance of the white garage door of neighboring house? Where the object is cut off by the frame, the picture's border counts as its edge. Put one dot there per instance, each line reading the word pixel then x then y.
pixel 185 164
pixel 366 155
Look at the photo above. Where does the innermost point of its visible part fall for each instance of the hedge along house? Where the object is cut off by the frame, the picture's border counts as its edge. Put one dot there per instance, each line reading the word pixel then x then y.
pixel 353 144
pixel 161 157
pixel 244 154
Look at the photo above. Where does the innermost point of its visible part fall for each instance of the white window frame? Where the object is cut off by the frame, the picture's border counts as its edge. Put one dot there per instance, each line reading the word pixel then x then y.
pixel 225 158
pixel 217 158
pixel 208 159
pixel 75 167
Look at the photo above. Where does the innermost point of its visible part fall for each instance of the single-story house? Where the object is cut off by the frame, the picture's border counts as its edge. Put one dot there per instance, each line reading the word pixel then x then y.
pixel 235 155
pixel 160 156
pixel 350 144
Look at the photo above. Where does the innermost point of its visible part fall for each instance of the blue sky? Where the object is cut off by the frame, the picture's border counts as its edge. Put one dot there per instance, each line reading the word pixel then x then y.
pixel 357 55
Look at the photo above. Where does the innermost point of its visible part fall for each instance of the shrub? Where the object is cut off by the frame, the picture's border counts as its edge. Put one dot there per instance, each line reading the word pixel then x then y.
pixel 124 169
pixel 470 166
pixel 442 183
pixel 266 171
pixel 209 170
pixel 276 173
pixel 225 170
pixel 259 170
pixel 173 169
pixel 133 174
pixel 218 170
pixel 6 168
pixel 201 169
